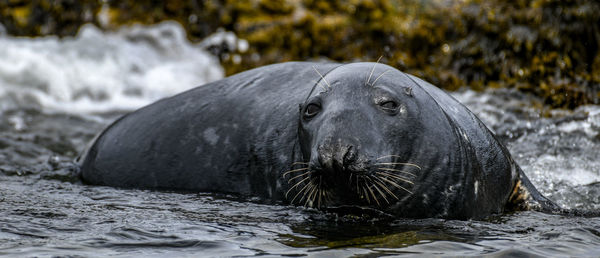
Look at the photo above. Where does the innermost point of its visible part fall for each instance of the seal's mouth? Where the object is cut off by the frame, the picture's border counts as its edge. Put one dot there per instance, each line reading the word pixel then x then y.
pixel 322 188
pixel 377 186
pixel 364 188
pixel 318 189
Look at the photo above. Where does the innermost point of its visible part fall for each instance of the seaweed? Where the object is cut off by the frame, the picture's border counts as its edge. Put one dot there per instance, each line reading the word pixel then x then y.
pixel 548 48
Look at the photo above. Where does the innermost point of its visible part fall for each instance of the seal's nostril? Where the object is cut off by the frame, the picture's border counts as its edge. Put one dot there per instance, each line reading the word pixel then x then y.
pixel 338 158
pixel 349 156
pixel 344 157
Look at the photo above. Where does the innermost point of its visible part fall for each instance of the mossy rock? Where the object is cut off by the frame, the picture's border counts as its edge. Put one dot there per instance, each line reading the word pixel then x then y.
pixel 39 17
pixel 549 48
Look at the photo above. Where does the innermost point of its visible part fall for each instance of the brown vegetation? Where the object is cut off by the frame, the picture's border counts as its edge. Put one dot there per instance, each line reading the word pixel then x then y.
pixel 549 48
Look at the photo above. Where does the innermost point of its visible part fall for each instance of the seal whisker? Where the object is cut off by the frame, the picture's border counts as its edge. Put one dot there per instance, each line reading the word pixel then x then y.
pixel 365 191
pixel 380 192
pixel 310 192
pixel 399 163
pixel 380 76
pixel 357 188
pixel 372 70
pixel 322 87
pixel 373 194
pixel 322 77
pixel 298 193
pixel 382 184
pixel 388 156
pixel 304 190
pixel 309 172
pixel 313 195
pixel 395 176
pixel 398 170
pixel 396 163
pixel 295 170
pixel 395 185
pixel 310 197
pixel 313 200
pixel 320 191
pixel 298 183
pixel 299 163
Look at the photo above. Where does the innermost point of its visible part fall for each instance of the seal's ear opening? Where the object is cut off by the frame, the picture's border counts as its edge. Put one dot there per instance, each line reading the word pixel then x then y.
pixel 408 91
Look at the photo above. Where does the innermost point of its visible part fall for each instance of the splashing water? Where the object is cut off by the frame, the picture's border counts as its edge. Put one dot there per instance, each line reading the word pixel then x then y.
pixel 560 153
pixel 98 72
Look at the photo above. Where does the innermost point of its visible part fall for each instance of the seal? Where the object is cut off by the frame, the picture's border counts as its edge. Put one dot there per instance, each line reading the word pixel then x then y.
pixel 322 135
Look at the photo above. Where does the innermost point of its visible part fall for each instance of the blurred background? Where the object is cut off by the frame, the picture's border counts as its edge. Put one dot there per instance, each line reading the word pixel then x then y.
pixel 549 48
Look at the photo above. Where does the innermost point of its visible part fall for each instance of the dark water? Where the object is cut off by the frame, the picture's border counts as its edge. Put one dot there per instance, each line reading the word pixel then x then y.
pixel 55 96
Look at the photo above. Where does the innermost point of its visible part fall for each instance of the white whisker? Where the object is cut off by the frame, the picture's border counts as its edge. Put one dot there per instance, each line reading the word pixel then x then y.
pixel 397 170
pixel 322 77
pixel 291 188
pixel 372 70
pixel 379 182
pixel 380 76
pixel 398 163
pixel 299 176
pixel 396 185
pixel 301 190
pixel 294 170
pixel 299 163
pixel 380 192
pixel 373 194
pixel 395 176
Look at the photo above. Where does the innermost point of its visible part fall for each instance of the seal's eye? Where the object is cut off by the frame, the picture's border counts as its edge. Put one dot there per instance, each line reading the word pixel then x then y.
pixel 311 110
pixel 389 106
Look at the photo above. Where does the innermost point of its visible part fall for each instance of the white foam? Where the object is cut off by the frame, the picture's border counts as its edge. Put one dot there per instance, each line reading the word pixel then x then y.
pixel 101 71
pixel 571 170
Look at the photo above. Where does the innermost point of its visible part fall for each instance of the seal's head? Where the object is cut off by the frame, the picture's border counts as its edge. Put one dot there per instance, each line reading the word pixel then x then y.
pixel 357 130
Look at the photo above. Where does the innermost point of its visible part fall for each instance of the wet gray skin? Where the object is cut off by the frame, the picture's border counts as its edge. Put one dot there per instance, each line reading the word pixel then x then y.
pixel 360 135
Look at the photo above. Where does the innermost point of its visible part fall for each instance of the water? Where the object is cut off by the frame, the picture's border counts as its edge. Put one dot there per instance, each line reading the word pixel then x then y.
pixel 97 71
pixel 55 95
